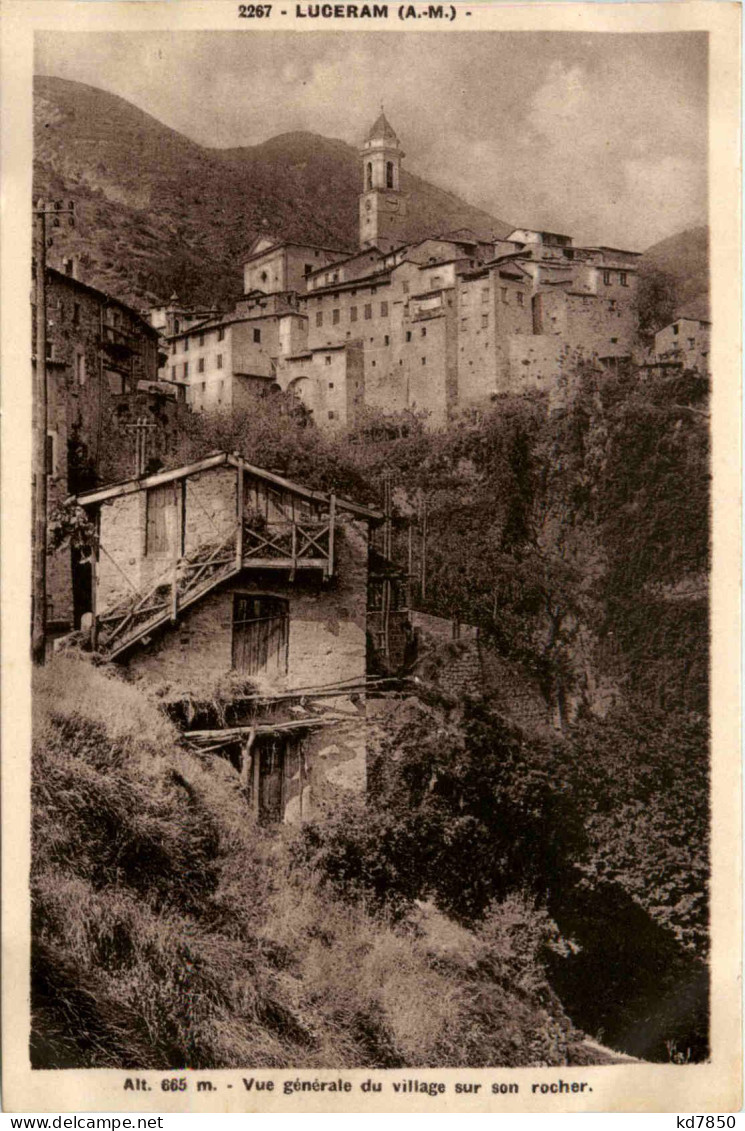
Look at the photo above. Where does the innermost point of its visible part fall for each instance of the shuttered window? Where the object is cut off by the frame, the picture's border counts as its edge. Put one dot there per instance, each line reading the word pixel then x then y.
pixel 261 634
pixel 159 499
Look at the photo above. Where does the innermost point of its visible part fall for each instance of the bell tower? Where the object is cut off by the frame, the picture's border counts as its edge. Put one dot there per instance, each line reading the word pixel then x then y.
pixel 382 204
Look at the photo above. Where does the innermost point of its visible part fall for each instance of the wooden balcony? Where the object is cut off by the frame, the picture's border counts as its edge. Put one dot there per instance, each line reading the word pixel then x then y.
pixel 290 545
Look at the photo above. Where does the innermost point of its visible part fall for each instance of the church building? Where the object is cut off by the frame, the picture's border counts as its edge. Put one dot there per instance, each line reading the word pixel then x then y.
pixel 435 326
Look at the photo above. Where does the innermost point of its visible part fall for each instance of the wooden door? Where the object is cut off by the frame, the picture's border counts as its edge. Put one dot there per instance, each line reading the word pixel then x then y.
pixel 261 634
pixel 161 508
pixel 271 775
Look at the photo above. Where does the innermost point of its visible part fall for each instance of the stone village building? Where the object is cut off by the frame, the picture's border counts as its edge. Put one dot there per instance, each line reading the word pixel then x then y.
pixel 686 342
pixel 438 325
pixel 221 570
pixel 102 378
pixel 220 567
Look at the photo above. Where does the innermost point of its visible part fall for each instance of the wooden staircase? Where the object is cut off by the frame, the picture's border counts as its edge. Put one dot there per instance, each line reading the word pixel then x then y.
pixel 289 546
pixel 189 579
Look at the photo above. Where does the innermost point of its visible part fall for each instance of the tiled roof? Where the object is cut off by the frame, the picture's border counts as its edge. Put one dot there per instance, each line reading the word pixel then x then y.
pixel 382 130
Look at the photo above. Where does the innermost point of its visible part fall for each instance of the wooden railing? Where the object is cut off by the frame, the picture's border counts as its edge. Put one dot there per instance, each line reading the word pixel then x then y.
pixel 297 545
pixel 286 545
pixel 180 585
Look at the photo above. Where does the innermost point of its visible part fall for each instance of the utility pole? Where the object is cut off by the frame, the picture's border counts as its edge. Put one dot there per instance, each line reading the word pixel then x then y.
pixel 423 574
pixel 140 428
pixel 40 414
pixel 387 553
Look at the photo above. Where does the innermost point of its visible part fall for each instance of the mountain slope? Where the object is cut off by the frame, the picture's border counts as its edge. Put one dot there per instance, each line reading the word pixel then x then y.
pixel 684 259
pixel 156 212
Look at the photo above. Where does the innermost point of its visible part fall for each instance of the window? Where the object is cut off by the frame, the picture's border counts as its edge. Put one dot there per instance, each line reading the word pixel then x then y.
pixel 257 334
pixel 220 390
pixel 405 287
pixel 675 328
pixel 173 347
pixel 387 340
pixel 607 278
pixel 76 314
pixel 186 369
pixel 408 335
pixel 158 501
pixel 423 333
pixel 424 361
pixel 173 372
pixel 176 326
pixel 353 314
pixel 612 304
pixel 51 453
pixel 221 334
pixel 319 318
pixel 484 294
pixel 384 309
pixel 368 310
pixel 80 368
pixel 691 343
pixel 200 365
pixel 261 633
pixel 201 339
pixel 435 282
pixel 504 294
pixel 623 279
pixel 373 290
pixel 368 180
pixel 307 268
pixel 116 382
pixel 484 321
pixel 389 174
pixel 335 316
pixel 327 359
pixel 219 361
pixel 520 298
pixel 186 343
pixel 332 415
pixel 331 384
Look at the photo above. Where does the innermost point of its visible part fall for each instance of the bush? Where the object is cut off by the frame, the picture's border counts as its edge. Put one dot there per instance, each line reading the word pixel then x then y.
pixel 168 931
pixel 463 809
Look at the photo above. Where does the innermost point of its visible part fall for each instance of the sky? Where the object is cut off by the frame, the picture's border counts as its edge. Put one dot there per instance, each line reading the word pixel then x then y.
pixel 600 136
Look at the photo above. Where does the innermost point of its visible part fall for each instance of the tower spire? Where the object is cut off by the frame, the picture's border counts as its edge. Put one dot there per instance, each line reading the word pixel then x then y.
pixel 382 204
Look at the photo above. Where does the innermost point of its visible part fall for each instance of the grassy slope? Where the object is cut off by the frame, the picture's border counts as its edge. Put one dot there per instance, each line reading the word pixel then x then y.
pixel 169 931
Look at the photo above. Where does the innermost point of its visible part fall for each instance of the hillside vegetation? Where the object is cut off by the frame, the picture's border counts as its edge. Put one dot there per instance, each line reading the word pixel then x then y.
pixel 577 539
pixel 157 213
pixel 170 931
pixel 673 279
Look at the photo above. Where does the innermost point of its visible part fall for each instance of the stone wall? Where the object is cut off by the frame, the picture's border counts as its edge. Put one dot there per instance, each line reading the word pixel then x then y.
pixel 98 352
pixel 210 507
pixel 515 692
pixel 449 654
pixel 327 629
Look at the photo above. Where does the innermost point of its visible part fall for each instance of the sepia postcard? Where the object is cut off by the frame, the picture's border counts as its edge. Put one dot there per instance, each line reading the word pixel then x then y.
pixel 371 557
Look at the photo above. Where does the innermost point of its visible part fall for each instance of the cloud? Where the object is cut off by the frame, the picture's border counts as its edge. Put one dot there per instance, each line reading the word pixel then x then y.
pixel 602 136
